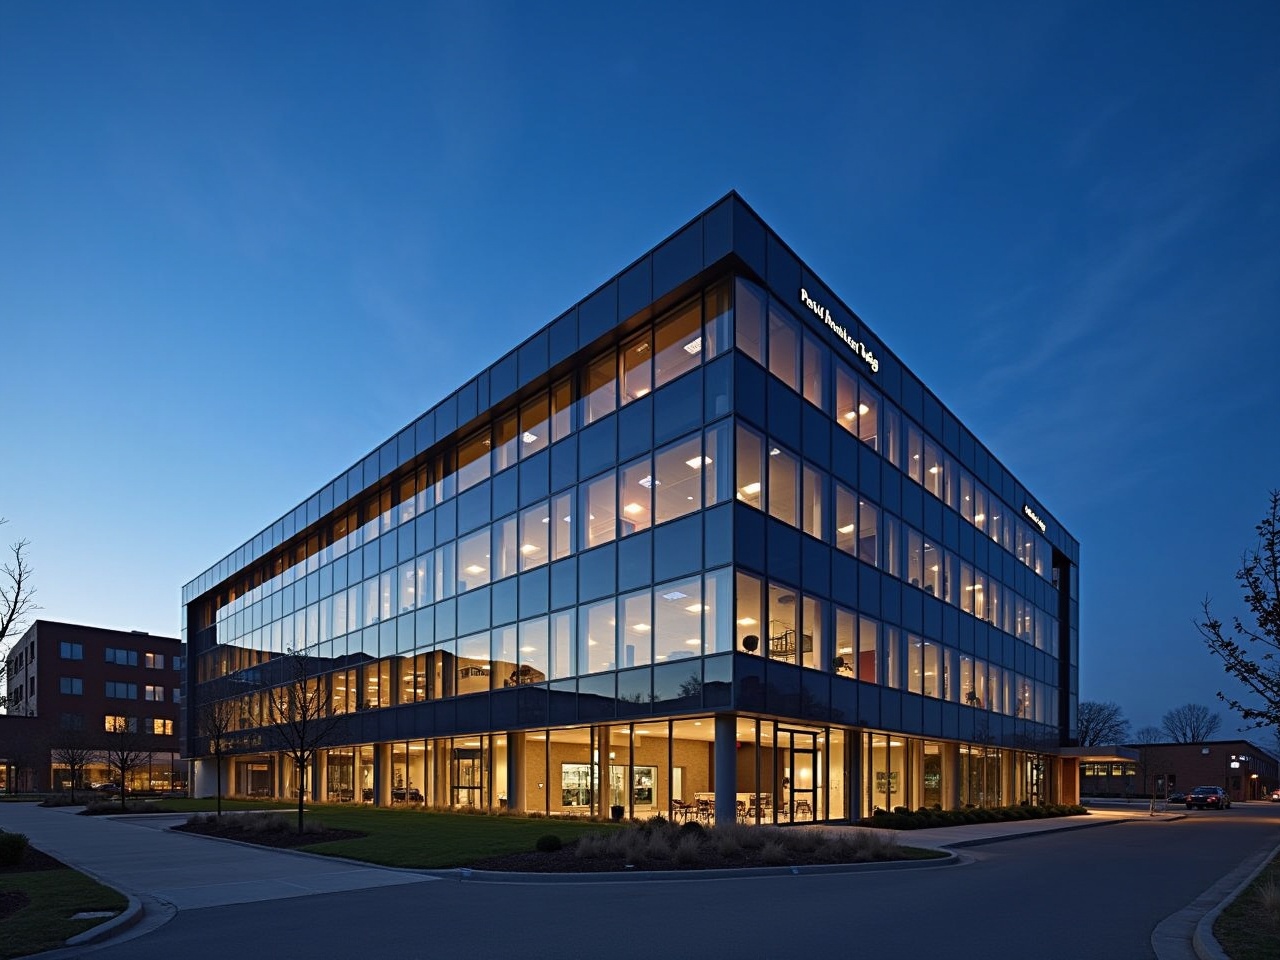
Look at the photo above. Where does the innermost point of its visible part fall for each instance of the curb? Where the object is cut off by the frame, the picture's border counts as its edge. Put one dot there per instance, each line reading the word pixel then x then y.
pixel 1066 828
pixel 117 924
pixel 468 875
pixel 1203 941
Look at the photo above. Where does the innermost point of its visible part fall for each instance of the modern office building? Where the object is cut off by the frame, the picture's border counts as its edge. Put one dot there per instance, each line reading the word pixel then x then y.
pixel 701 543
pixel 84 685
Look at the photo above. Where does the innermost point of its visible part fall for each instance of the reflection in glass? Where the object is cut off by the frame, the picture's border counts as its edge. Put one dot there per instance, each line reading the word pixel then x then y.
pixel 678 343
pixel 678 479
pixel 677 626
pixel 635 496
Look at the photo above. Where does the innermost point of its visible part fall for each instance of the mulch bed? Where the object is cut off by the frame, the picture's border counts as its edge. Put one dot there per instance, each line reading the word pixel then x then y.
pixel 283 838
pixel 33 860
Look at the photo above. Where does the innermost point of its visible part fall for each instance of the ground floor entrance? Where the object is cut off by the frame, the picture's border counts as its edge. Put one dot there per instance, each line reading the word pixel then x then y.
pixel 717 768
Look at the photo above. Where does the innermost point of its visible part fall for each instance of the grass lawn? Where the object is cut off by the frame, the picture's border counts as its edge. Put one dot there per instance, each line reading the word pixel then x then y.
pixel 416 838
pixel 54 896
pixel 1249 929
pixel 209 804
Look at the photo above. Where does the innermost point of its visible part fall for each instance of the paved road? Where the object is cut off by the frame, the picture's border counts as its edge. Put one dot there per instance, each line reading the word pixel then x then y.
pixel 1094 893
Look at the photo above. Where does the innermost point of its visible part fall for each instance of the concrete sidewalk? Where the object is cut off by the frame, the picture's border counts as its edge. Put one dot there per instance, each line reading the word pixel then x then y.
pixel 133 855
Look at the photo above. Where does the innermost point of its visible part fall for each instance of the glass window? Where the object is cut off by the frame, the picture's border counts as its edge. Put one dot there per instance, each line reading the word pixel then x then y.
pixel 533 651
pixel 783 633
pixel 422 573
pixel 473 560
pixel 932 670
pixel 596 632
pixel 980 507
pixel 561 647
pixel 408 591
pixel 635 640
pixel 814 379
pixel 473 459
pixel 502 649
pixel 535 536
pixel 561 526
pixel 784 486
pixel 505 443
pixel 893 435
pixel 718 311
pixel 534 428
pixel 387 593
pixel 868 416
pixel 561 409
pixel 599 389
pixel 784 346
pixel 677 485
pixel 749 309
pixel 750 614
pixel 750 472
pixel 966 588
pixel 966 496
pixel 915 557
pixel 677 624
pixel 847 409
pixel 598 511
pixel 868 525
pixel 637 368
pixel 505 548
pixel 931 570
pixel 846 520
pixel 915 452
pixel 718 481
pixel 933 476
pixel 892 657
pixel 811 631
pixel 446 576
pixel 677 343
pixel 845 661
pixel 717 611
pixel 892 546
pixel 813 494
pixel 635 496
pixel 915 664
pixel 868 650
pixel 474 666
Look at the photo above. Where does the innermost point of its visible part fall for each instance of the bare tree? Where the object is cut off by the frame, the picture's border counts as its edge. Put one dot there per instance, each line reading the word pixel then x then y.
pixel 1098 723
pixel 1251 654
pixel 1148 735
pixel 298 710
pixel 17 603
pixel 1190 723
pixel 215 719
pixel 75 750
pixel 124 749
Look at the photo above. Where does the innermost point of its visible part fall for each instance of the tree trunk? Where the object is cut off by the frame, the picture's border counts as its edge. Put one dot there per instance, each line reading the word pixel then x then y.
pixel 217 759
pixel 300 801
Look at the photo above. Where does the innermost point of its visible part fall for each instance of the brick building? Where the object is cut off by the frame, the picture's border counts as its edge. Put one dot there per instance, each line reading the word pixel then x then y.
pixel 78 683
pixel 1241 767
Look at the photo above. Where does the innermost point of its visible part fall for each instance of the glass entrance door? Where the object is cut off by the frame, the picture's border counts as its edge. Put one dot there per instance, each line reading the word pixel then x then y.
pixel 800 793
pixel 468 776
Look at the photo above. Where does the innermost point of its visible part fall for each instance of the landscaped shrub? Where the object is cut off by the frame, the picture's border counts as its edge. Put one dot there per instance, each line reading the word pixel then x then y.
pixel 773 853
pixel 688 850
pixel 13 846
pixel 549 843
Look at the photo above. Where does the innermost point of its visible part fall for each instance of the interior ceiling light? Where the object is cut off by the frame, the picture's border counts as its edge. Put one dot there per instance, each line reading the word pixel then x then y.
pixel 746 622
pixel 633 508
pixel 693 347
pixel 697 462
pixel 695 608
pixel 528 437
pixel 847 528
pixel 674 595
pixel 641 628
pixel 863 409
pixel 528 548
pixel 693 642
pixel 752 488
pixel 648 483
pixel 475 568
pixel 851 415
pixel 774 451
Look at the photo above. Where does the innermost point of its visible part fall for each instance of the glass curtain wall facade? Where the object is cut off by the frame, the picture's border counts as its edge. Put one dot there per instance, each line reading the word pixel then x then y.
pixel 700 547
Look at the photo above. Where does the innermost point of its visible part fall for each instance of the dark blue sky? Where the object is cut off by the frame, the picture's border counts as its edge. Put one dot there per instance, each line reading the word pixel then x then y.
pixel 241 244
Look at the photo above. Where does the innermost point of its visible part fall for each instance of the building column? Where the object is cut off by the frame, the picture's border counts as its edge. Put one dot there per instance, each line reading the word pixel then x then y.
pixel 515 771
pixel 320 776
pixel 382 774
pixel 726 768
pixel 853 750
pixel 950 776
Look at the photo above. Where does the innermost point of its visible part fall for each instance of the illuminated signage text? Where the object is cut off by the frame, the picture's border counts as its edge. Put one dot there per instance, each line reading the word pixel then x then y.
pixel 857 346
pixel 1033 517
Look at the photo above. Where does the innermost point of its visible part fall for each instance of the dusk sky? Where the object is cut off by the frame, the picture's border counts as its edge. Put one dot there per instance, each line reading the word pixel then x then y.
pixel 242 244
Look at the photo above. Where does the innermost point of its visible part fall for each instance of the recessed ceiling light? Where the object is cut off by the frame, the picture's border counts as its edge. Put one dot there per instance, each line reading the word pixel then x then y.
pixel 475 568
pixel 633 508
pixel 528 548
pixel 674 595
pixel 641 628
pixel 647 483
pixel 693 642
pixel 693 347
pixel 774 451
pixel 752 488
pixel 697 462
pixel 847 528
pixel 695 608
pixel 746 622
pixel 528 437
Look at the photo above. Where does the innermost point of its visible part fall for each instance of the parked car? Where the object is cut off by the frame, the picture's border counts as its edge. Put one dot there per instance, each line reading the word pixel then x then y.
pixel 1176 797
pixel 106 786
pixel 1208 798
pixel 1275 796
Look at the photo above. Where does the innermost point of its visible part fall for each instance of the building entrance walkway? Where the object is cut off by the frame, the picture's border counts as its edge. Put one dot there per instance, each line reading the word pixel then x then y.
pixel 137 856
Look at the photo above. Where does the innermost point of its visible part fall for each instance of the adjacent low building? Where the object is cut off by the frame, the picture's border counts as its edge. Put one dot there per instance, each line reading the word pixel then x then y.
pixel 1245 770
pixel 91 687
pixel 701 545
